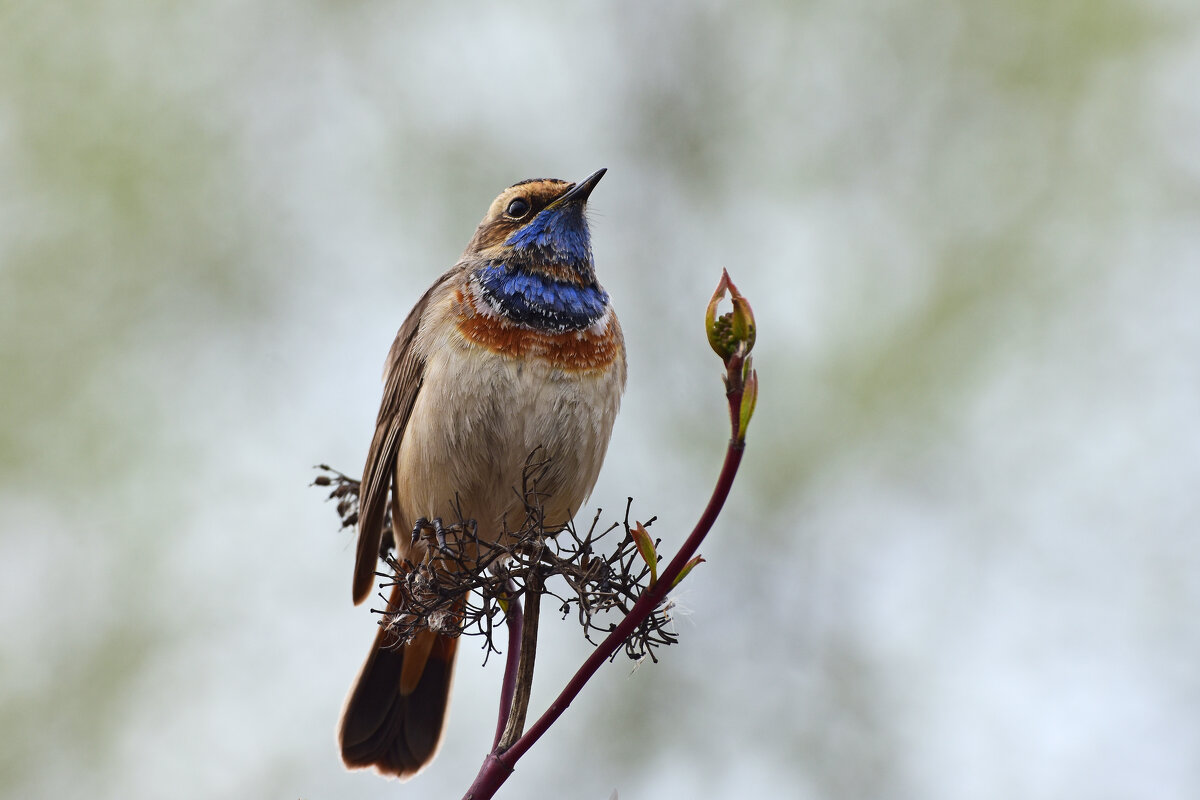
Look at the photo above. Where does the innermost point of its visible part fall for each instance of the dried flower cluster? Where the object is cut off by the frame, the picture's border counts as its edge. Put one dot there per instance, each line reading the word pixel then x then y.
pixel 464 584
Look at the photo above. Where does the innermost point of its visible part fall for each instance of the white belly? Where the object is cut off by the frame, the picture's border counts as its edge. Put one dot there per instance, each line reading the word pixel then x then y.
pixel 477 418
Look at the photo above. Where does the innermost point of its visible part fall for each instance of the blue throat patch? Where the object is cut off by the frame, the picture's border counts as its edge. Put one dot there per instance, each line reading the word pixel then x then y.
pixel 556 236
pixel 539 301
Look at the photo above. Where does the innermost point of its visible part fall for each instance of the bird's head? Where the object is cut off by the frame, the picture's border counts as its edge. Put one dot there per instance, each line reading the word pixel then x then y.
pixel 531 257
pixel 539 226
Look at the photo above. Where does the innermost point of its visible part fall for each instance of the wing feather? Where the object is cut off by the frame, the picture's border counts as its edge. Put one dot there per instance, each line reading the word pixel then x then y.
pixel 403 377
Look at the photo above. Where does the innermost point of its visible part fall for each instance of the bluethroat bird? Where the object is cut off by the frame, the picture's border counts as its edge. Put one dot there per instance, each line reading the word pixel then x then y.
pixel 515 348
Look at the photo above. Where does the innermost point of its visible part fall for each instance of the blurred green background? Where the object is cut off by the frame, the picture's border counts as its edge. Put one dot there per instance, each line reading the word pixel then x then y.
pixel 961 559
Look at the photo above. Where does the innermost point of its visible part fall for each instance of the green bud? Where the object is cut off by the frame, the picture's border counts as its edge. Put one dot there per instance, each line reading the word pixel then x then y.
pixel 729 331
pixel 645 546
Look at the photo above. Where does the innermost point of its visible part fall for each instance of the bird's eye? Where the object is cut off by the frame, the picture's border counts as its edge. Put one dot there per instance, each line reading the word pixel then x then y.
pixel 518 208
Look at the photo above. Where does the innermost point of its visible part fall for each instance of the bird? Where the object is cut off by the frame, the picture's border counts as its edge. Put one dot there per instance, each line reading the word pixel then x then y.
pixel 515 348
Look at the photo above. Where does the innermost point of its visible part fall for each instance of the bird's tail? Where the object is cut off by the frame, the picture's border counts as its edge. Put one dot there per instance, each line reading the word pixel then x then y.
pixel 395 714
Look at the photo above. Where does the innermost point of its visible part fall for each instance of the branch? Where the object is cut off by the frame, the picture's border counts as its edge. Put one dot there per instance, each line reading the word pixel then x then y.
pixel 524 677
pixel 513 618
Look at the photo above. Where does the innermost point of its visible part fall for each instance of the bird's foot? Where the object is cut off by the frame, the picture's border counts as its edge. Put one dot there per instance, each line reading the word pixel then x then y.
pixel 439 534
pixel 439 531
pixel 418 526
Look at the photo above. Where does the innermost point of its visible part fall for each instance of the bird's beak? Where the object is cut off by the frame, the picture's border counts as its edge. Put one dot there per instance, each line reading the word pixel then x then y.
pixel 580 191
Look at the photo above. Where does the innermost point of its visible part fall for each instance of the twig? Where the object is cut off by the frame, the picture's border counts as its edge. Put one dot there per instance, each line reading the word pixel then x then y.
pixel 497 768
pixel 513 619
pixel 524 676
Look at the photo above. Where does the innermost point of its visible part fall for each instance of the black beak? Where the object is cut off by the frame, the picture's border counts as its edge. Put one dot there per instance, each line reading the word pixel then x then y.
pixel 579 192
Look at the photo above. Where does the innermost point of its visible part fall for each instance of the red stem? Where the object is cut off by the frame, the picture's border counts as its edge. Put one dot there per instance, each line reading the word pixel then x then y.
pixel 646 604
pixel 514 619
pixel 497 767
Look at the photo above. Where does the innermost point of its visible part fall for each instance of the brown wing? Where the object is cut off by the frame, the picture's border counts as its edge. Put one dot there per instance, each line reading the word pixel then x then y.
pixel 403 377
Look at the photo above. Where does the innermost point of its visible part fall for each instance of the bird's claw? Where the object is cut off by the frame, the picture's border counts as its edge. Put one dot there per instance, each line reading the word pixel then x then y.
pixel 438 529
pixel 439 534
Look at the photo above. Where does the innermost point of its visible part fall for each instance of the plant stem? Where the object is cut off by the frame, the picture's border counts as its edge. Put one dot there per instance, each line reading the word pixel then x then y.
pixel 524 680
pixel 499 765
pixel 513 619
pixel 645 604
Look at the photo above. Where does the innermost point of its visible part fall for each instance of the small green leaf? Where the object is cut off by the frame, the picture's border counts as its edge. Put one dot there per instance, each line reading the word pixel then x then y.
pixel 749 401
pixel 742 325
pixel 645 546
pixel 716 327
pixel 686 569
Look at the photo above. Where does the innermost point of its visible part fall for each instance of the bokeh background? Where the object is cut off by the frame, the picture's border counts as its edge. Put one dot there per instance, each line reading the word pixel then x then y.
pixel 960 561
